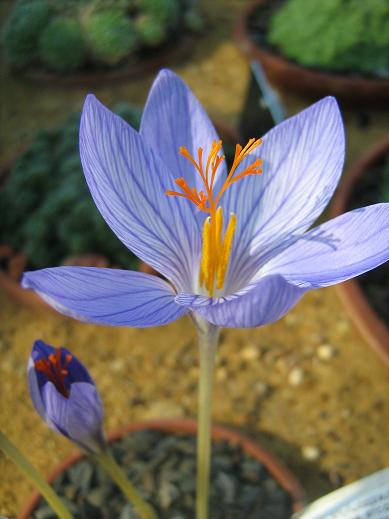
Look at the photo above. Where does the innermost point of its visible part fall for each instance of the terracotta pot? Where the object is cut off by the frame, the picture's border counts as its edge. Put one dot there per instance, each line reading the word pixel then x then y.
pixel 373 329
pixel 181 426
pixel 168 53
pixel 354 90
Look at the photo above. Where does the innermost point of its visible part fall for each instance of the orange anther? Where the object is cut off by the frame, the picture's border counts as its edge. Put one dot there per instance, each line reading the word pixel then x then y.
pixel 216 250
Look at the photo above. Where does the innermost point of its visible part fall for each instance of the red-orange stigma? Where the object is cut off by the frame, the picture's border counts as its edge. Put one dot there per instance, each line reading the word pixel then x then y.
pixel 54 370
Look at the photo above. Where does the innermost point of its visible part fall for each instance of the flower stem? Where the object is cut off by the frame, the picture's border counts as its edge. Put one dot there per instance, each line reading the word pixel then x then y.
pixel 11 451
pixel 107 461
pixel 208 340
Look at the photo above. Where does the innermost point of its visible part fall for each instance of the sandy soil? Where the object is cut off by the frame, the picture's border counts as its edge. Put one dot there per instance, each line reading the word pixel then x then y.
pixel 307 386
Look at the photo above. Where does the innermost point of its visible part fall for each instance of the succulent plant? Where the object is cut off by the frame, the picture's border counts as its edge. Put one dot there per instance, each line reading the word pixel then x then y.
pixel 164 11
pixel 46 205
pixel 61 45
pixel 66 35
pixel 346 35
pixel 22 30
pixel 111 35
pixel 151 31
pixel 193 21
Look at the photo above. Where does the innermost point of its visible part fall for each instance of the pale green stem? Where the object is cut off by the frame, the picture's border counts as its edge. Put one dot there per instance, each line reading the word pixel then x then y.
pixel 208 340
pixel 144 510
pixel 33 475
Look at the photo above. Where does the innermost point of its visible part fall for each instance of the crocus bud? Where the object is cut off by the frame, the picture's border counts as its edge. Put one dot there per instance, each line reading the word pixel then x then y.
pixel 65 396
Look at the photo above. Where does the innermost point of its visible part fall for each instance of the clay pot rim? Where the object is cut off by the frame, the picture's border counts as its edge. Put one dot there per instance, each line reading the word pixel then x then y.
pixel 339 81
pixel 284 477
pixel 373 329
pixel 170 51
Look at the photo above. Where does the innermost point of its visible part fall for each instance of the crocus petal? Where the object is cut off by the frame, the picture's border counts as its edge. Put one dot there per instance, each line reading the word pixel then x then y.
pixel 78 417
pixel 337 250
pixel 128 183
pixel 106 296
pixel 302 162
pixel 174 117
pixel 34 388
pixel 265 302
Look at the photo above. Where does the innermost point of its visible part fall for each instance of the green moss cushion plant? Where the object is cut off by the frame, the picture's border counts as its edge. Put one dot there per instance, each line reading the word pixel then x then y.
pixel 166 11
pixel 338 35
pixel 65 36
pixel 152 32
pixel 22 31
pixel 47 184
pixel 111 35
pixel 61 45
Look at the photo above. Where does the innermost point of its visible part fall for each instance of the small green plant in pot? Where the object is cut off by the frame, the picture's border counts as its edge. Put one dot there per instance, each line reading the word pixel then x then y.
pixel 93 35
pixel 47 183
pixel 335 35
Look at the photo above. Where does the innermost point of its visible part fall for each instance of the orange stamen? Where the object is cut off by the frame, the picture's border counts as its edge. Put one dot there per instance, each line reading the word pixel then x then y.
pixel 54 370
pixel 216 250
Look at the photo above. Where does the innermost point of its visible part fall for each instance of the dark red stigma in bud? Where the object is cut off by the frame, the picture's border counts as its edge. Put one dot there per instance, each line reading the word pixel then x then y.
pixel 54 370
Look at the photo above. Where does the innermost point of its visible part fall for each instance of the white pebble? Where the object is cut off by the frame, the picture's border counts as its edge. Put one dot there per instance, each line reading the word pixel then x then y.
pixel 325 351
pixel 249 353
pixel 310 452
pixel 296 376
pixel 221 374
pixel 117 365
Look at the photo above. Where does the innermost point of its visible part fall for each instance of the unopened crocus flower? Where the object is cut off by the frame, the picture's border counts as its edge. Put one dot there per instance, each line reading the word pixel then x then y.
pixel 65 396
pixel 235 247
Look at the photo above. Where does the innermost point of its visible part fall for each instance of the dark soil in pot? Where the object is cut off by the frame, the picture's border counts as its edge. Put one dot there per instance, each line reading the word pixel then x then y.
pixel 162 467
pixel 373 188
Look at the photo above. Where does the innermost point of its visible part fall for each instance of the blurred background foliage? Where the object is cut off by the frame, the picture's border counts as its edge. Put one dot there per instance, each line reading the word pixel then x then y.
pixel 47 210
pixel 69 35
pixel 338 35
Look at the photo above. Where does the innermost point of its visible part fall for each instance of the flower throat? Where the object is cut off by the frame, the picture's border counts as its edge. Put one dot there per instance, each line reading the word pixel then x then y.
pixel 216 248
pixel 55 369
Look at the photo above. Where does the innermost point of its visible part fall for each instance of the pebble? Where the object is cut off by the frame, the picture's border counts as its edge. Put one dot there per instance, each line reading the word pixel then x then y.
pixel 160 408
pixel 325 351
pixel 249 353
pixel 310 452
pixel 117 365
pixel 296 377
pixel 164 469
pixel 221 374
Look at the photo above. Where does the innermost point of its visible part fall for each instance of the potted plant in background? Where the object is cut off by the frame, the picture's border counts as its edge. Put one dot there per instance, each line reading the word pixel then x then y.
pixel 366 298
pixel 97 40
pixel 320 48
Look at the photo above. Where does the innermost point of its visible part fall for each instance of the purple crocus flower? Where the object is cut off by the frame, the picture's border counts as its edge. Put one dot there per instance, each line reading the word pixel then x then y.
pixel 65 396
pixel 235 247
